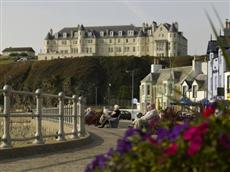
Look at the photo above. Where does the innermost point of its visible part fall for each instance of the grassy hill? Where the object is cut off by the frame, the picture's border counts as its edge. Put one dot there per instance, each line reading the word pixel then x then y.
pixel 82 75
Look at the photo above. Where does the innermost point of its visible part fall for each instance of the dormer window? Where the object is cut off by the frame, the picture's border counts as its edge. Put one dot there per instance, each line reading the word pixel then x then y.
pixel 75 34
pixel 184 90
pixel 89 34
pixel 64 35
pixel 102 33
pixel 111 33
pixel 149 32
pixel 56 35
pixel 130 33
pixel 194 91
pixel 120 33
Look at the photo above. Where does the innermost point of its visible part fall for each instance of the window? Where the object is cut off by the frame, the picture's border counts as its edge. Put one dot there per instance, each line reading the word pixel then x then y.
pixel 127 40
pixel 215 81
pixel 118 49
pixel 64 35
pixel 134 40
pixel 110 49
pixel 56 35
pixel 118 40
pixel 165 88
pixel 130 32
pixel 126 49
pixel 134 49
pixel 120 33
pixel 194 91
pixel 63 42
pixel 110 41
pixel 111 33
pixel 184 90
pixel 143 89
pixel 75 34
pixel 148 89
pixel 170 88
pixel 228 84
pixel 101 33
pixel 149 32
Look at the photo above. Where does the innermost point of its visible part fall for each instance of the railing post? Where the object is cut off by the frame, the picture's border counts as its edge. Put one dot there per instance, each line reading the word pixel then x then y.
pixel 74 113
pixel 81 122
pixel 38 114
pixel 61 134
pixel 6 139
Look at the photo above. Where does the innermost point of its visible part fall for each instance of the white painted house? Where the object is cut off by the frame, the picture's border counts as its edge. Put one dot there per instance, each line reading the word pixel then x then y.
pixel 165 86
pixel 217 65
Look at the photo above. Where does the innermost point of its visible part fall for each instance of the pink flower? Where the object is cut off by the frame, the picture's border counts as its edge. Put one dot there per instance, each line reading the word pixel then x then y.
pixel 195 136
pixel 171 150
pixel 190 133
pixel 195 145
pixel 203 128
pixel 195 131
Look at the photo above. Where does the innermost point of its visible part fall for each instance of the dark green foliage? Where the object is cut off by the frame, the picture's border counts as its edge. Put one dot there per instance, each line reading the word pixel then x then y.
pixel 80 76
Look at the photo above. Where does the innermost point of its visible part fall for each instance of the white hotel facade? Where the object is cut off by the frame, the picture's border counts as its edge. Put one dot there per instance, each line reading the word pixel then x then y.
pixel 123 40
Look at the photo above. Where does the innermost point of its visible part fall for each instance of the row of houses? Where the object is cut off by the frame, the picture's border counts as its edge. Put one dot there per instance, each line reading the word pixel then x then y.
pixel 207 78
pixel 164 86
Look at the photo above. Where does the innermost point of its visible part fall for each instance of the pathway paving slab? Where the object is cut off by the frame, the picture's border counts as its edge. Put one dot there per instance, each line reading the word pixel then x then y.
pixel 74 160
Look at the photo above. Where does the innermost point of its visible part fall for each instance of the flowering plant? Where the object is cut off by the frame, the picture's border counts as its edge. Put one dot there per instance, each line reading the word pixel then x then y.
pixel 200 145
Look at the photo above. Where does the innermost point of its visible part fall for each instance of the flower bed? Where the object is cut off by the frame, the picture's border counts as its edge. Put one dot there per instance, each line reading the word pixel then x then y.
pixel 202 145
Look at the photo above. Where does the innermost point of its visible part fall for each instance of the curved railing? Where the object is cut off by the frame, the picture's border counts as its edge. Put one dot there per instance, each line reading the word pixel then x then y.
pixel 72 114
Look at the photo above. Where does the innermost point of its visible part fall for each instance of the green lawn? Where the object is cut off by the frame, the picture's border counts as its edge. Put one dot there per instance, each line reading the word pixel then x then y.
pixel 5 60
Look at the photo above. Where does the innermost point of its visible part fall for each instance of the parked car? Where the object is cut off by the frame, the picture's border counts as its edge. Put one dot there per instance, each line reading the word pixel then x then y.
pixel 125 115
pixel 180 115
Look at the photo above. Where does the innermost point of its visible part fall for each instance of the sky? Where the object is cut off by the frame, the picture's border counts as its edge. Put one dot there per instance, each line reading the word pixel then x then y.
pixel 26 22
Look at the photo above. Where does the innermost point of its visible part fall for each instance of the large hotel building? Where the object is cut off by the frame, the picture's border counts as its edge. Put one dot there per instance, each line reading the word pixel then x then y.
pixel 123 40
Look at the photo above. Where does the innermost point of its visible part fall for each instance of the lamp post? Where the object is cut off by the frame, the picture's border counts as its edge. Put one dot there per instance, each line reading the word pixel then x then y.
pixel 96 96
pixel 132 88
pixel 132 92
pixel 109 85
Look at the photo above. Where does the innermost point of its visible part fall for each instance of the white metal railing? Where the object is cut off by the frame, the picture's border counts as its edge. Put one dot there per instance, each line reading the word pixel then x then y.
pixel 72 114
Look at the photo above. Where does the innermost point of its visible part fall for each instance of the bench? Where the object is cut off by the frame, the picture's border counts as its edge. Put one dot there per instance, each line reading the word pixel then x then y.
pixel 114 122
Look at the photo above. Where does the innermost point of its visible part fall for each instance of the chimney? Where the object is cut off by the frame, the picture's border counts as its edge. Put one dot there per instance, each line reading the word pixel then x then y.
pixel 51 31
pixel 154 26
pixel 196 66
pixel 227 24
pixel 176 25
pixel 155 68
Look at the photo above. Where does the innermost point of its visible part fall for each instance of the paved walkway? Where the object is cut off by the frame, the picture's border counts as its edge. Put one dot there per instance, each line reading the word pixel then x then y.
pixel 70 160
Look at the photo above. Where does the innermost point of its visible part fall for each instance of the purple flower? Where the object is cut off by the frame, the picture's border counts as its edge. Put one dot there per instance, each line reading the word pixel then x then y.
pixel 130 132
pixel 123 146
pixel 175 132
pixel 162 133
pixel 98 162
pixel 110 152
pixel 225 141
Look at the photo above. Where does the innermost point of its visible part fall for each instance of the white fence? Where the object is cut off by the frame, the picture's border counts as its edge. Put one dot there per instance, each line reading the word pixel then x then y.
pixel 72 114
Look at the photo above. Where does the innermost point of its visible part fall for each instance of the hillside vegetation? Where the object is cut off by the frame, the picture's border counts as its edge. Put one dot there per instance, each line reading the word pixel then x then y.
pixel 81 76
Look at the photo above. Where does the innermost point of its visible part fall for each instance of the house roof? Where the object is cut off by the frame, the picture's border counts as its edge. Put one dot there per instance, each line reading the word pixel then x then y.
pixel 177 74
pixel 213 44
pixel 95 30
pixel 212 47
pixel 151 77
pixel 15 49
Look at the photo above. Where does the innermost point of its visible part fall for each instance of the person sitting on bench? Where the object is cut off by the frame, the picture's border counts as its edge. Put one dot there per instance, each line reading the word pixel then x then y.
pixel 151 112
pixel 105 116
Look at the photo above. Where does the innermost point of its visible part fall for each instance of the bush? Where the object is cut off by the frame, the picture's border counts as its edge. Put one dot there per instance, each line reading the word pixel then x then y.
pixel 202 145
